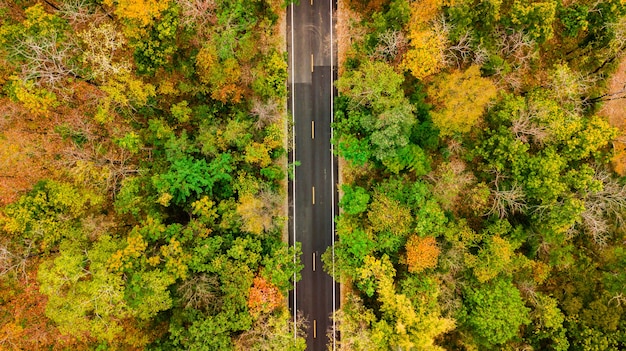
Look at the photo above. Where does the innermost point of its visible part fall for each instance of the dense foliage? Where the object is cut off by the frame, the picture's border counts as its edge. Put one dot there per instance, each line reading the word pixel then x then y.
pixel 143 176
pixel 479 208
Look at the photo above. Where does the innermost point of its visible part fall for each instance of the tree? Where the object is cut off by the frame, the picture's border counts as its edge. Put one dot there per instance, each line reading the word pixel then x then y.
pixel 421 253
pixel 103 45
pixel 427 41
pixel 353 246
pixel 197 13
pixel 189 177
pixel 535 19
pixel 354 199
pixel 274 332
pixel 41 47
pixel 48 214
pixel 426 54
pixel 144 12
pixel 461 99
pixel 270 83
pixel 375 85
pixel 264 297
pixel 354 323
pixel 380 110
pixel 356 151
pixel 223 76
pixel 401 324
pixel 549 331
pixel 78 286
pixel 259 212
pixel 24 324
pixel 391 221
pixel 496 257
pixel 155 44
pixel 495 312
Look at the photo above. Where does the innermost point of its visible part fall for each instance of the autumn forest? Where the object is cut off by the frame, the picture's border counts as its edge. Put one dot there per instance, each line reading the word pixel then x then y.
pixel 144 172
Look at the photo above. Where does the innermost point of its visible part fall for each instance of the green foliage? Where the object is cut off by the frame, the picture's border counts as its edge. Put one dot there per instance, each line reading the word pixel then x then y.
pixel 280 269
pixel 271 84
pixel 549 331
pixel 356 151
pixel 510 222
pixel 353 245
pixel 163 257
pixel 131 142
pixel 495 313
pixel 374 85
pixel 512 199
pixel 188 177
pixel 354 199
pixel 574 19
pixel 410 157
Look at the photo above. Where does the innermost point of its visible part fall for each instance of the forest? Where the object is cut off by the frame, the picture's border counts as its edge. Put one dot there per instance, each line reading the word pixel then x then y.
pixel 143 176
pixel 483 189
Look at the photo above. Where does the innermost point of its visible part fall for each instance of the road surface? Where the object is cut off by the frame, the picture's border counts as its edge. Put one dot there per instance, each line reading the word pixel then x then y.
pixel 312 193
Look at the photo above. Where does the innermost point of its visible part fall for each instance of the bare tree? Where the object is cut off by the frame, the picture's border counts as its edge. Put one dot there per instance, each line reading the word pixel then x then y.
pixel 102 45
pixel 596 225
pixel 13 261
pixel 600 206
pixel 526 127
pixel 266 112
pixel 517 46
pixel 79 12
pixel 46 60
pixel 96 164
pixel 507 201
pixel 201 292
pixel 198 13
pixel 390 44
pixel 460 52
pixel 518 50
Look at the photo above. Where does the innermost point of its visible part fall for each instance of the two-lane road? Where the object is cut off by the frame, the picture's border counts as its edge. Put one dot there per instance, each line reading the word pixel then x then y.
pixel 313 192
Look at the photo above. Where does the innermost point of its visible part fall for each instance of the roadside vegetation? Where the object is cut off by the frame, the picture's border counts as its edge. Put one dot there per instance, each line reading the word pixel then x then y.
pixel 480 208
pixel 142 176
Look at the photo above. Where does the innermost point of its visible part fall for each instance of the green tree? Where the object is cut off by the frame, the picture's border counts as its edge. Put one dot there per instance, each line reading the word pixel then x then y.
pixel 189 177
pixel 495 312
pixel 374 84
pixel 354 199
pixel 391 222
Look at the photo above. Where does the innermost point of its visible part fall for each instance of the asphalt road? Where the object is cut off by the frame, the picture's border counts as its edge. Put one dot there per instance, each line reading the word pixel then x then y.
pixel 313 193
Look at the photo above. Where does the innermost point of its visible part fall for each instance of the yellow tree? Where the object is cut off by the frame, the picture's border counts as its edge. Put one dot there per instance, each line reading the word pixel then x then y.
pixel 258 212
pixel 427 41
pixel 460 98
pixel 142 11
pixel 402 325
